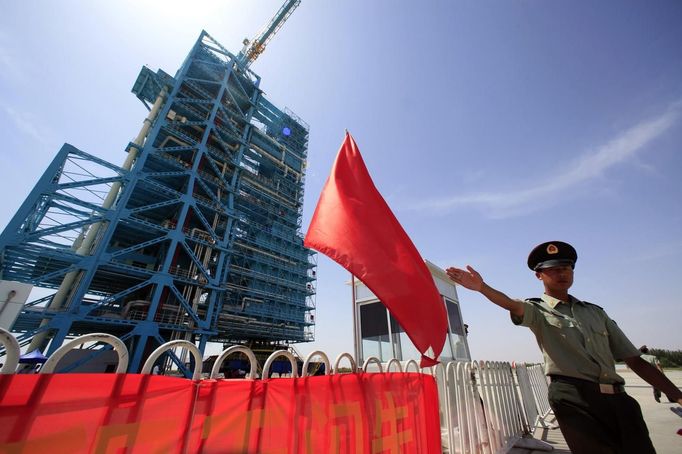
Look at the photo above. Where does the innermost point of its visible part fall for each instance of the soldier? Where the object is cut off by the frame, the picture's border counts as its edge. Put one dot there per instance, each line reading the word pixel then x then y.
pixel 580 345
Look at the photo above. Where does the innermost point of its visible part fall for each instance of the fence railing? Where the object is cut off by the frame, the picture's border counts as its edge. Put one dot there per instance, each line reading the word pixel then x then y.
pixel 533 390
pixel 485 407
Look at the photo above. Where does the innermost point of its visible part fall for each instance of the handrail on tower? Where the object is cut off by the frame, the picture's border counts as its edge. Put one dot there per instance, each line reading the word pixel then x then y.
pixel 252 49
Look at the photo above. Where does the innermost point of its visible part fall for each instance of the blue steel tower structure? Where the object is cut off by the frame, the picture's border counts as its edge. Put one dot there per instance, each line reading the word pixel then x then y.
pixel 197 236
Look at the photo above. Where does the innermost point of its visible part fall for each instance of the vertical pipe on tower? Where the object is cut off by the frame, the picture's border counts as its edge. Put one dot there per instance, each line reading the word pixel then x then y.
pixel 84 245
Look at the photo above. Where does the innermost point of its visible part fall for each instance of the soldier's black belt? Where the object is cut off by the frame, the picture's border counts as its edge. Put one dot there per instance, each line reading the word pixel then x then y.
pixel 604 388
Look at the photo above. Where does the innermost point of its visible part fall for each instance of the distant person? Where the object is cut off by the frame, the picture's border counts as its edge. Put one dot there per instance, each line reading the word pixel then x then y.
pixel 657 364
pixel 580 344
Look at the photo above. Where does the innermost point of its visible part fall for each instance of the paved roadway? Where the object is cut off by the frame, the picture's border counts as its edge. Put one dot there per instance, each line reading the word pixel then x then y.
pixel 663 424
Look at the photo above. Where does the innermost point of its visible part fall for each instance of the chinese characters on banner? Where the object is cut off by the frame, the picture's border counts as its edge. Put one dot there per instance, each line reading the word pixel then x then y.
pixel 112 413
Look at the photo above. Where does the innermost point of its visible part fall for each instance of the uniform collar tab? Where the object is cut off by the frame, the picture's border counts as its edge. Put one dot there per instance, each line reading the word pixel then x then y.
pixel 554 302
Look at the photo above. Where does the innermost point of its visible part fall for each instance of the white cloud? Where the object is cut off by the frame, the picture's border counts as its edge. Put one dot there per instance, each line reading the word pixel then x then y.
pixel 7 64
pixel 26 123
pixel 9 67
pixel 591 165
pixel 657 252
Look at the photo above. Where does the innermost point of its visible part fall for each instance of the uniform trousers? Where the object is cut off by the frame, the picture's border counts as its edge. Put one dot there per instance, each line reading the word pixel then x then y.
pixel 596 423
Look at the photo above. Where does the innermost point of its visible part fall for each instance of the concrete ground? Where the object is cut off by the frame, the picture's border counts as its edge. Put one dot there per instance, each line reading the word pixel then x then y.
pixel 662 422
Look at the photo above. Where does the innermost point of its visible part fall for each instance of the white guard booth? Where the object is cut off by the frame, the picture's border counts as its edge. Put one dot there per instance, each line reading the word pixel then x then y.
pixel 13 296
pixel 378 334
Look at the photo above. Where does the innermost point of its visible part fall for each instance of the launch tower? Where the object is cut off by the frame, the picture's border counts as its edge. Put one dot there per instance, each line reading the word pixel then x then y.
pixel 196 236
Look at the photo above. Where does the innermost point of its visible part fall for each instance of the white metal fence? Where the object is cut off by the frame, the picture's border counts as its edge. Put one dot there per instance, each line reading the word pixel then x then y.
pixel 485 407
pixel 533 389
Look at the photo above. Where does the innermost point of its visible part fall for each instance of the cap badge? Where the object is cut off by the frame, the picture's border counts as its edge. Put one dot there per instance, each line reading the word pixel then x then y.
pixel 552 249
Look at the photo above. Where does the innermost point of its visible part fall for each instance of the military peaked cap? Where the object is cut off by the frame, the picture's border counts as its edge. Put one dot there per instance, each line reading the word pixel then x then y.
pixel 552 253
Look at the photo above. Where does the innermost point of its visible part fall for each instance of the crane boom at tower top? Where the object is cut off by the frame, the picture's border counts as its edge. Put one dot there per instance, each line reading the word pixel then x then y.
pixel 252 49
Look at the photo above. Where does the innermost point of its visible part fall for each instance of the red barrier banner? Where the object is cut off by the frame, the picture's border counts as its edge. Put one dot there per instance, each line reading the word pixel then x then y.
pixel 94 413
pixel 346 413
pixel 107 413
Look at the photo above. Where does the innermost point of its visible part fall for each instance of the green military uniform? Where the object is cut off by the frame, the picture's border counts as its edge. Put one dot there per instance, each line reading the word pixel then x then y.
pixel 580 344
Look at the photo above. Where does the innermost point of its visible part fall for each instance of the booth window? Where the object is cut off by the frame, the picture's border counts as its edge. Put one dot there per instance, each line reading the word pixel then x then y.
pixel 455 318
pixel 457 329
pixel 374 331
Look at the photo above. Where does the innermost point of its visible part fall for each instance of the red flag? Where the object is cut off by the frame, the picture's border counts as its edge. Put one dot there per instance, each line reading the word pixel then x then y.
pixel 354 226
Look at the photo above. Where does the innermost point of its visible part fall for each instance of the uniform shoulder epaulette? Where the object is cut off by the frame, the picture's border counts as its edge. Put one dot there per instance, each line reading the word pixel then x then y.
pixel 534 300
pixel 592 304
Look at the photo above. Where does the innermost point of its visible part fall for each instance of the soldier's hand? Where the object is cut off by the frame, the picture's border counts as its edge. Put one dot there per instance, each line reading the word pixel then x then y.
pixel 469 278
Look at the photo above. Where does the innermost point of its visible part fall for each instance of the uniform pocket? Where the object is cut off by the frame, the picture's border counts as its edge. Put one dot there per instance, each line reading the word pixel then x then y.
pixel 557 322
pixel 597 330
pixel 599 338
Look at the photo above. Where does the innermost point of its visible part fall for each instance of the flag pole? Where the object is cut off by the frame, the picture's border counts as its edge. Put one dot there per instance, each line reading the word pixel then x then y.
pixel 356 344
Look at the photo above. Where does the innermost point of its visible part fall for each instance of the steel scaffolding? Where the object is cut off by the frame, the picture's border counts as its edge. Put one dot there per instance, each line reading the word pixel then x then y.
pixel 196 236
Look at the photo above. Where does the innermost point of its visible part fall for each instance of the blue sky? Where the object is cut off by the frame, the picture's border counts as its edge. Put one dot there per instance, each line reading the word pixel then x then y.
pixel 488 126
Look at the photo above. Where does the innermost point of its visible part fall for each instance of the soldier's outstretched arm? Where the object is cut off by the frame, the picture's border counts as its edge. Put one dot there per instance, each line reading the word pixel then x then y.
pixel 654 377
pixel 471 279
